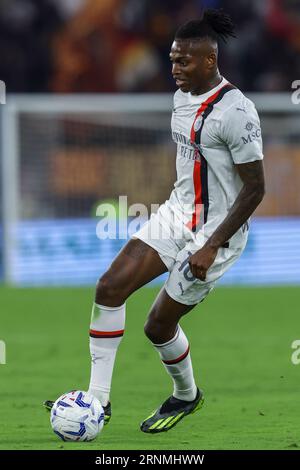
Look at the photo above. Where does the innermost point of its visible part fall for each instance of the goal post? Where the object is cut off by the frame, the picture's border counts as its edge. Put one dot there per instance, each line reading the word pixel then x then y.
pixel 64 154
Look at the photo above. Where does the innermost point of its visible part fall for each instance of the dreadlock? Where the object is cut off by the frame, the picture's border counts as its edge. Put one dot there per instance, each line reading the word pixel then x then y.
pixel 214 24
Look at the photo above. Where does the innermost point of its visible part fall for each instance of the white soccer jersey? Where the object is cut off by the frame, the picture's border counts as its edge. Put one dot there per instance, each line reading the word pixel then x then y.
pixel 213 131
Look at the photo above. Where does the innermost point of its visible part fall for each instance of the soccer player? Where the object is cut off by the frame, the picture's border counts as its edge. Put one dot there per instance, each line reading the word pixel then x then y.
pixel 198 233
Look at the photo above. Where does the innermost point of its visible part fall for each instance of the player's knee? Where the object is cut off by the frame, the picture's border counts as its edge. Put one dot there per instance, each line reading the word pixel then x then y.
pixel 109 293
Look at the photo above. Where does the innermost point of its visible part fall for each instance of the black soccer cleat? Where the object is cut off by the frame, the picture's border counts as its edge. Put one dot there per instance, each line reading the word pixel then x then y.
pixel 107 413
pixel 48 404
pixel 170 413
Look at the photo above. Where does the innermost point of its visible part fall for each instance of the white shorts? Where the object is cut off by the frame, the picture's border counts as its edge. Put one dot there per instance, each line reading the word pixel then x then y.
pixel 175 252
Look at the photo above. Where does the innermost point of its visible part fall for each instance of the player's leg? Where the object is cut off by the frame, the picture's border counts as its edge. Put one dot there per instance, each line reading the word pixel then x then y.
pixel 181 293
pixel 163 317
pixel 135 266
pixel 169 340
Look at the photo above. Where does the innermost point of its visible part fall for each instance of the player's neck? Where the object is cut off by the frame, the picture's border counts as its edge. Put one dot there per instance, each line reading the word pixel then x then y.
pixel 212 83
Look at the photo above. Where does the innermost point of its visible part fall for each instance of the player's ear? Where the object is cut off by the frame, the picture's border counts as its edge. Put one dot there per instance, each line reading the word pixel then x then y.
pixel 211 60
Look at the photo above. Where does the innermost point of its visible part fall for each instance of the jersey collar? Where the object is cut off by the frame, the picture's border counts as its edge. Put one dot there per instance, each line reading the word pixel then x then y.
pixel 205 96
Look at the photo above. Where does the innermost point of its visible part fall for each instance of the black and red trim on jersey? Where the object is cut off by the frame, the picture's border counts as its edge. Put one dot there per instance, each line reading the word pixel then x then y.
pixel 200 166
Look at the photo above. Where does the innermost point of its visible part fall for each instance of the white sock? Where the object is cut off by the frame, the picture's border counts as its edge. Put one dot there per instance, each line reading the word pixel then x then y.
pixel 175 355
pixel 106 332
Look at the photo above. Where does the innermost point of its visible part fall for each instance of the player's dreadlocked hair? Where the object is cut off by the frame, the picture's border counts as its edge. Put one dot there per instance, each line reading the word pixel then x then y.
pixel 214 24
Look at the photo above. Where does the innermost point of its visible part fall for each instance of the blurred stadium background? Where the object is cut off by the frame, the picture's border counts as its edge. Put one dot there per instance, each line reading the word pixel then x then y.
pixel 63 152
pixel 87 118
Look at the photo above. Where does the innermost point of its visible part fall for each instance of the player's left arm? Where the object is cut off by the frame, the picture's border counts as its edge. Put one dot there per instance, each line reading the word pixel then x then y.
pixel 240 130
pixel 250 196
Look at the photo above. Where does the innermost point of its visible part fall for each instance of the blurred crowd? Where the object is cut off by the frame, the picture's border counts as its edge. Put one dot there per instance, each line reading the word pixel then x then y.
pixel 123 45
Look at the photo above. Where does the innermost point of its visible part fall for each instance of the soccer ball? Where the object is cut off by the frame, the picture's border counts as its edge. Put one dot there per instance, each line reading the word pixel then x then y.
pixel 77 416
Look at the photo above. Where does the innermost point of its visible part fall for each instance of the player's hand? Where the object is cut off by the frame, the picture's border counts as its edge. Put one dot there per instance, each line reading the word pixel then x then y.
pixel 202 260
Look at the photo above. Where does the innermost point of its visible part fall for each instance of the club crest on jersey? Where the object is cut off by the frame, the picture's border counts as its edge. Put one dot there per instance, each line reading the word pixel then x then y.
pixel 249 126
pixel 197 123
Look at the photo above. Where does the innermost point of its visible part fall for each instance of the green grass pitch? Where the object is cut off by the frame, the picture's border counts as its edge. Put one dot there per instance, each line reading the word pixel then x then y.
pixel 241 350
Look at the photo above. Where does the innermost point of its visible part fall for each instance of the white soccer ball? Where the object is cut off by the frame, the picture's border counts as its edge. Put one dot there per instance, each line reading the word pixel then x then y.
pixel 77 416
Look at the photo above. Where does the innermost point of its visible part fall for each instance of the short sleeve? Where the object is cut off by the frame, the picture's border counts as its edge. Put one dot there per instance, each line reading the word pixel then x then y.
pixel 241 131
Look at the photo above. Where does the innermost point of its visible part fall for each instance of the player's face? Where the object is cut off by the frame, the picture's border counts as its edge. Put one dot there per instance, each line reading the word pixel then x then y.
pixel 192 64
